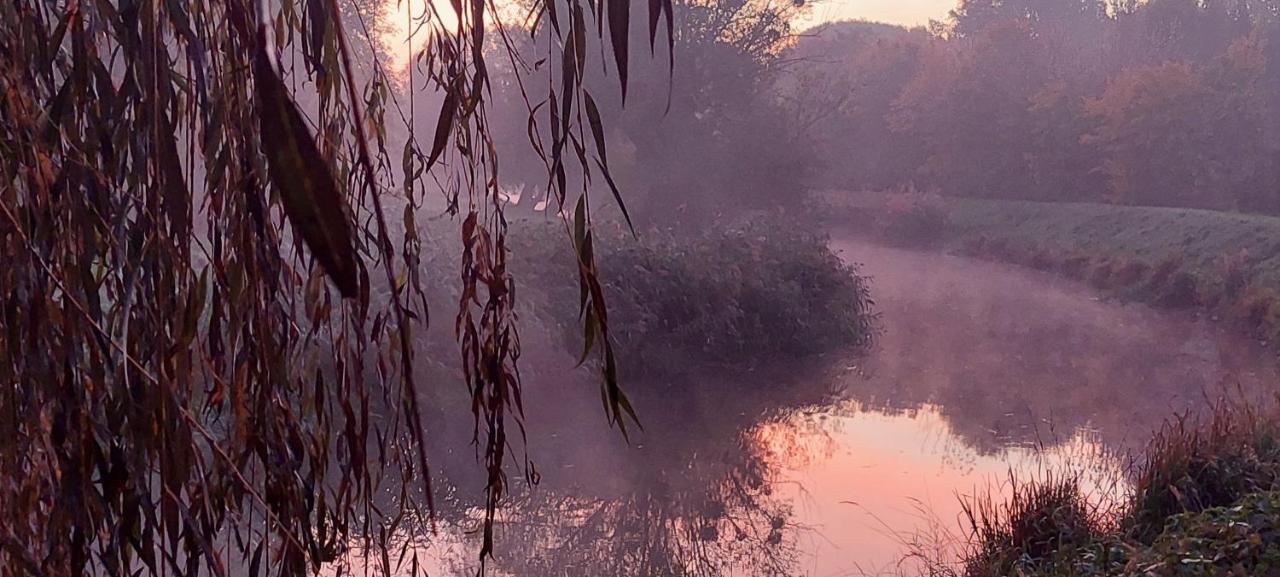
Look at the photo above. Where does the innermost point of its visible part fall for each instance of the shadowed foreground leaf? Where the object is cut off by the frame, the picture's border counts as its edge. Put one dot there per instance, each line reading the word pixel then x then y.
pixel 306 184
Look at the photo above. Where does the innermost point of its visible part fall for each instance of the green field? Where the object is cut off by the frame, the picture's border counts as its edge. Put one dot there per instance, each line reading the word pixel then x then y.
pixel 1201 239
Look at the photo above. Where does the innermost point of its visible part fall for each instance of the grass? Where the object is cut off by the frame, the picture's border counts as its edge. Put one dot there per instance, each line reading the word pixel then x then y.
pixel 1196 239
pixel 1224 264
pixel 1205 501
pixel 1048 518
pixel 1196 466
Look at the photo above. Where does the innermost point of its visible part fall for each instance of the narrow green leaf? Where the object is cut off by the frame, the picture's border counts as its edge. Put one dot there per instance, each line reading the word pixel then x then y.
pixel 444 125
pixel 597 127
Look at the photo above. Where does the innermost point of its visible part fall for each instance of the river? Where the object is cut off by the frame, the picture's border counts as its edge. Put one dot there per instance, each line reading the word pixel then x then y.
pixel 984 369
pixel 984 372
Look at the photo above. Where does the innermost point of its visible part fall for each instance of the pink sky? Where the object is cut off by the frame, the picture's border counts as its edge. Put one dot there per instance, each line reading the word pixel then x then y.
pixel 904 12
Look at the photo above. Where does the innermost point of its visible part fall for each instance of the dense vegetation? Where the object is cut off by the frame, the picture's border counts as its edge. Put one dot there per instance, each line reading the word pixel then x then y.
pixel 1166 102
pixel 195 202
pixel 731 298
pixel 1204 503
pixel 715 332
pixel 714 124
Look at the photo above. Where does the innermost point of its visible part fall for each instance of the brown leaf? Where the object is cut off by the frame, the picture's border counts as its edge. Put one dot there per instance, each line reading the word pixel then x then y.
pixel 443 126
pixel 619 22
pixel 176 195
pixel 305 180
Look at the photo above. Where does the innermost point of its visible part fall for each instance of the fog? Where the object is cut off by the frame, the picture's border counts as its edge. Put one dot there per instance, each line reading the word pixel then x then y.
pixel 979 363
pixel 995 295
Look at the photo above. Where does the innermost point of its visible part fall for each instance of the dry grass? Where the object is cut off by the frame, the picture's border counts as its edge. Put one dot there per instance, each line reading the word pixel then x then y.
pixel 1194 465
pixel 1039 520
pixel 1203 501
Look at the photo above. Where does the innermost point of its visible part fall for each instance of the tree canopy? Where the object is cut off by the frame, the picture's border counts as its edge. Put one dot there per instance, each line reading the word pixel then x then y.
pixel 1166 102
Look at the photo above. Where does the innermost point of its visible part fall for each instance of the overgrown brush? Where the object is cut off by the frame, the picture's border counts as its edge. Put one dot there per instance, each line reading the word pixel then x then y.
pixel 1236 541
pixel 1193 465
pixel 1204 502
pixel 1039 521
pixel 734 297
pixel 912 218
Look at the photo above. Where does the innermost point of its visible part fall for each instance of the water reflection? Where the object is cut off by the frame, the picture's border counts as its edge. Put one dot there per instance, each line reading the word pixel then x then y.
pixel 842 468
pixel 871 486
pixel 1012 356
pixel 693 495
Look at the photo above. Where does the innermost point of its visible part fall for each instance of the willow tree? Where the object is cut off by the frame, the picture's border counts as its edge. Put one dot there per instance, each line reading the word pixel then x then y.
pixel 206 354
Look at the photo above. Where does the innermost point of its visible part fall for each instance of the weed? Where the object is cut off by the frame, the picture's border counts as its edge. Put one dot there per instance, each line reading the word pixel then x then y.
pixel 1193 465
pixel 1039 521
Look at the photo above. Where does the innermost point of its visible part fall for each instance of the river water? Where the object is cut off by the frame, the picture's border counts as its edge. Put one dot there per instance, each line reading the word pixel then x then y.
pixel 984 372
pixel 986 369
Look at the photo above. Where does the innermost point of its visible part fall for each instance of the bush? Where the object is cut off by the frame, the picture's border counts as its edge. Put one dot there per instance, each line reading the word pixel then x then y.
pixel 1243 539
pixel 1258 309
pixel 1192 466
pixel 1236 271
pixel 1040 522
pixel 730 297
pixel 1205 501
pixel 913 218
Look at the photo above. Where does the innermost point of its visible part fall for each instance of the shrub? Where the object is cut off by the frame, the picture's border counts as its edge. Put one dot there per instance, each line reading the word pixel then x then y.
pixel 914 218
pixel 1163 270
pixel 1194 465
pixel 1040 522
pixel 1236 272
pixel 1102 275
pixel 728 297
pixel 1129 272
pixel 1171 285
pixel 1076 265
pixel 1258 308
pixel 1243 539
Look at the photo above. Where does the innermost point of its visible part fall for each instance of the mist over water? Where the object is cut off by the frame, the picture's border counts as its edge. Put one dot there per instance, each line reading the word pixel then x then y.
pixel 1017 356
pixel 986 370
pixel 982 371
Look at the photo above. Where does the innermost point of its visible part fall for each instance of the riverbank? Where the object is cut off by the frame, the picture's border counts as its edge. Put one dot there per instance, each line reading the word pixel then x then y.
pixel 1223 265
pixel 1204 502
pixel 1006 369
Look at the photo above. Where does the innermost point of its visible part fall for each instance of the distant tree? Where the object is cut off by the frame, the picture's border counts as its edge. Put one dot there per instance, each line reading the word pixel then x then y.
pixel 713 123
pixel 718 128
pixel 1153 133
pixel 1062 164
pixel 1167 102
pixel 968 109
pixel 842 90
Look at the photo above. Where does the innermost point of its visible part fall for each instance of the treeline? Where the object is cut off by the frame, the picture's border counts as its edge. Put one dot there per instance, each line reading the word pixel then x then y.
pixel 1164 102
pixel 701 139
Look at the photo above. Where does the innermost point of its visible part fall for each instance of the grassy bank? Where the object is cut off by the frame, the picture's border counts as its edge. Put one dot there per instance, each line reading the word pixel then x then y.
pixel 1223 264
pixel 1205 501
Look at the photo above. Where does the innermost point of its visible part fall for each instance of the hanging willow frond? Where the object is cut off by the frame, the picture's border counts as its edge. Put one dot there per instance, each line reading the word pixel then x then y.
pixel 181 391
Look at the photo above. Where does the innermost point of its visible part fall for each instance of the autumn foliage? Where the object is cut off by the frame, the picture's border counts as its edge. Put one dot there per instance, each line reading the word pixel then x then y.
pixel 1166 103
